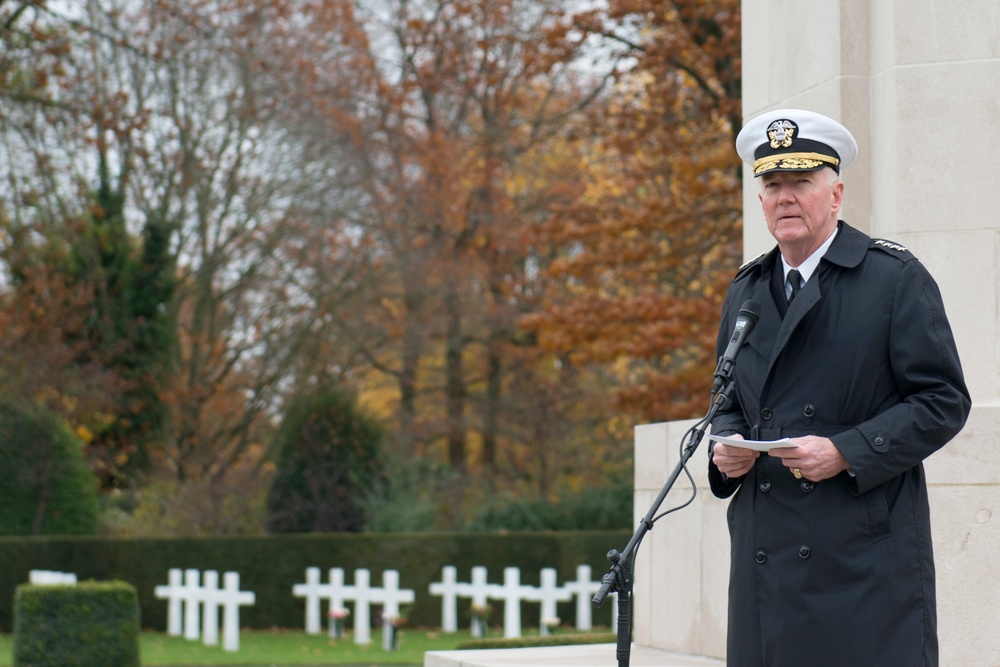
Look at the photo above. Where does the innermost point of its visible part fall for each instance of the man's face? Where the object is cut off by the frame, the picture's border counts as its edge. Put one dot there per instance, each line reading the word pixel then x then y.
pixel 801 208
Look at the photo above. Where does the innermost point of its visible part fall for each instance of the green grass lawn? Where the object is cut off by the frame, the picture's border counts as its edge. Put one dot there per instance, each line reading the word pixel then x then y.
pixel 283 647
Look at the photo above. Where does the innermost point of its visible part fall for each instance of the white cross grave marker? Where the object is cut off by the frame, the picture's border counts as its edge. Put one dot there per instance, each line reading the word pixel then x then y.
pixel 211 599
pixel 362 607
pixel 338 591
pixel 511 592
pixel 479 590
pixel 51 578
pixel 549 594
pixel 313 591
pixel 232 599
pixel 390 595
pixel 448 589
pixel 174 593
pixel 583 588
pixel 192 600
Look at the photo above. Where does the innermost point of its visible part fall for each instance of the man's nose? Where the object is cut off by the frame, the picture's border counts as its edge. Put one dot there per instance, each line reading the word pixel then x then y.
pixel 785 193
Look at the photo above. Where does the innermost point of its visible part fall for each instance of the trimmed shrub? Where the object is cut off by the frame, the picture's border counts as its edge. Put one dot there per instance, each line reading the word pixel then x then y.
pixel 45 486
pixel 90 624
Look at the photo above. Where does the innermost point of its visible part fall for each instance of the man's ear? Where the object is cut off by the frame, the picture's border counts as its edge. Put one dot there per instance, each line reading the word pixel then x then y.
pixel 838 196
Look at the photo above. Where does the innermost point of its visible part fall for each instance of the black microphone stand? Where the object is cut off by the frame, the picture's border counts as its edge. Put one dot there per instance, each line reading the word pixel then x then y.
pixel 619 577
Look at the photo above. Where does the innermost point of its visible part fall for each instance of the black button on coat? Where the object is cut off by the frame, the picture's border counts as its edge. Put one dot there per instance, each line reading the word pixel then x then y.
pixel 842 574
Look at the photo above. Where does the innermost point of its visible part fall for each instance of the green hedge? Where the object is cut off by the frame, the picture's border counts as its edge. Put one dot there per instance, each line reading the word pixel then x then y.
pixel 86 625
pixel 270 566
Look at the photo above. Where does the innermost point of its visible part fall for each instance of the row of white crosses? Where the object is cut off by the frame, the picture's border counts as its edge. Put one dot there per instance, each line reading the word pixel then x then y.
pixel 193 604
pixel 479 591
pixel 193 607
pixel 511 593
pixel 390 596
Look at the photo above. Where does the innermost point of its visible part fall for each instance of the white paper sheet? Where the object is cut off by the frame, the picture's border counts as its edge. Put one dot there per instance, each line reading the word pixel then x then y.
pixel 759 445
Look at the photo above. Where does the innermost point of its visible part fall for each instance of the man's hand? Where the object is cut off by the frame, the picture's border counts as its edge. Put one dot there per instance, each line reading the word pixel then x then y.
pixel 816 458
pixel 733 461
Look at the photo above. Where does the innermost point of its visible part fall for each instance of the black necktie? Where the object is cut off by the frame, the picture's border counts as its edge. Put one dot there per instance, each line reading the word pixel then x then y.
pixel 795 278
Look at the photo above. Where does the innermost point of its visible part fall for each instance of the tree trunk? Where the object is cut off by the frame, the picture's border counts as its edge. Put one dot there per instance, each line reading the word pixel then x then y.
pixel 455 381
pixel 408 377
pixel 491 406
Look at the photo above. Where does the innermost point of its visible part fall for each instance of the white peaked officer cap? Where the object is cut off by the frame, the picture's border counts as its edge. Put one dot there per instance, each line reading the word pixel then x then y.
pixel 795 140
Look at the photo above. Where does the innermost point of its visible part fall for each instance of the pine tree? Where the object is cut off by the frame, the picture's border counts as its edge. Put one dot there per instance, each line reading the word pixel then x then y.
pixel 328 459
pixel 45 486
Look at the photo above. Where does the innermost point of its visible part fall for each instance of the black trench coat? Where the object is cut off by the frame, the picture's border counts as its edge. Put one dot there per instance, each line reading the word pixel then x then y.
pixel 840 572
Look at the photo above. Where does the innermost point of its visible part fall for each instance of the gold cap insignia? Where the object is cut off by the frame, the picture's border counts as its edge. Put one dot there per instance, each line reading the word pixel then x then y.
pixel 781 133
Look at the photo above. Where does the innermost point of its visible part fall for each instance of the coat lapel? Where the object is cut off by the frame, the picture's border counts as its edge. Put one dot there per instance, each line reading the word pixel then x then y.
pixel 778 320
pixel 808 296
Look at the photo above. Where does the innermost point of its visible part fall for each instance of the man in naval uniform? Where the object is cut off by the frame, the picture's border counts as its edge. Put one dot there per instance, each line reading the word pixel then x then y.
pixel 854 361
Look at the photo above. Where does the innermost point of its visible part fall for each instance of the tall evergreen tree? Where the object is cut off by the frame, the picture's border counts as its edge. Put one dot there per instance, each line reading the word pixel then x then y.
pixel 328 460
pixel 45 486
pixel 131 282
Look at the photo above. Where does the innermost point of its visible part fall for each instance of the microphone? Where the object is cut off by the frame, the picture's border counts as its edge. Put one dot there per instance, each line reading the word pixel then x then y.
pixel 745 322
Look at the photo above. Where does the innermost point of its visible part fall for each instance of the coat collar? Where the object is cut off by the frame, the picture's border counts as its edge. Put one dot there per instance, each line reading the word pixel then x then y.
pixel 774 330
pixel 847 250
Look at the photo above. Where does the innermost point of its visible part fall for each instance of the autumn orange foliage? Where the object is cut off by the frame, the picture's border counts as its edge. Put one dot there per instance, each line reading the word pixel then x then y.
pixel 488 217
pixel 649 247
